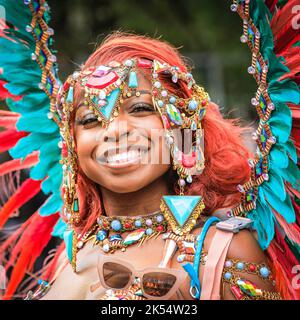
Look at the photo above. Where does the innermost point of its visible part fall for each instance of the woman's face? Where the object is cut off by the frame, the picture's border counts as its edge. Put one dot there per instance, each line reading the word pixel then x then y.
pixel 130 153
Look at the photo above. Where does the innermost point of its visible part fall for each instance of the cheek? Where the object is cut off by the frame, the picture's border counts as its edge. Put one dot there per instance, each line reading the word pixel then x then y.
pixel 86 141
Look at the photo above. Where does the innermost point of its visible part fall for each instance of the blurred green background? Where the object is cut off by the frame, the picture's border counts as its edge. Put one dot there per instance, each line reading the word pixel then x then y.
pixel 207 32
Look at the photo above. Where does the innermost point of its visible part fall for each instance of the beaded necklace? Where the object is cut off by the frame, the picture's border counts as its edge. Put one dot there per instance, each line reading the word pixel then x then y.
pixel 107 233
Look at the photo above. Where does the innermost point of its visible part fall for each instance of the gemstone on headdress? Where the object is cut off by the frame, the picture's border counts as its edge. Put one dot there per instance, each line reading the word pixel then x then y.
pixel 107 110
pixel 97 82
pixel 174 114
pixel 132 82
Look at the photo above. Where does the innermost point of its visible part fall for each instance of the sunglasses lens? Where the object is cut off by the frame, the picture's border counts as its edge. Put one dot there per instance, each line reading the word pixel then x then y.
pixel 115 275
pixel 158 284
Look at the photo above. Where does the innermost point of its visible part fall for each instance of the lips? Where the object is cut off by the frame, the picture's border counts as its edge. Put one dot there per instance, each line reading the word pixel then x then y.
pixel 120 157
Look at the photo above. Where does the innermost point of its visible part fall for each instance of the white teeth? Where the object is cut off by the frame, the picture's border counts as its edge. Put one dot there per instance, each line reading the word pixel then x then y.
pixel 132 155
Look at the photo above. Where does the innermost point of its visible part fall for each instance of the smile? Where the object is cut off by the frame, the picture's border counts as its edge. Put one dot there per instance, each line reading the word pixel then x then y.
pixel 122 158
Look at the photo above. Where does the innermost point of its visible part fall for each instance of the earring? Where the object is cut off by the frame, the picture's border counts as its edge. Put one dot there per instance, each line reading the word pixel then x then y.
pixel 182 211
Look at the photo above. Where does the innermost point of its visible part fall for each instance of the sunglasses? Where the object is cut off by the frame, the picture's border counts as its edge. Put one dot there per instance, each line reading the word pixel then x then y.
pixel 156 283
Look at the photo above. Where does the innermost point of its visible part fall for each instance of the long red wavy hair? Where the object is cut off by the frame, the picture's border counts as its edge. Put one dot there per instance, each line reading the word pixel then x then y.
pixel 226 157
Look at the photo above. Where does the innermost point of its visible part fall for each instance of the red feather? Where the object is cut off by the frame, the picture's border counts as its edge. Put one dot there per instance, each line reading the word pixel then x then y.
pixel 9 138
pixel 28 189
pixel 18 164
pixel 30 246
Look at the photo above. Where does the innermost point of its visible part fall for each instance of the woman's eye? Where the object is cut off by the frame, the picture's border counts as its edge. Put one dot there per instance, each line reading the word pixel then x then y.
pixel 142 107
pixel 89 119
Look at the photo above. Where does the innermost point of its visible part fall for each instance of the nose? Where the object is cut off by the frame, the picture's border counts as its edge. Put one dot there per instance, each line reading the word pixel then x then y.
pixel 117 129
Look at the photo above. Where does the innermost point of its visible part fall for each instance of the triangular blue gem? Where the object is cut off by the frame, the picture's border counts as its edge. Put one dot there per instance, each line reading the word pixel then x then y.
pixel 107 110
pixel 181 207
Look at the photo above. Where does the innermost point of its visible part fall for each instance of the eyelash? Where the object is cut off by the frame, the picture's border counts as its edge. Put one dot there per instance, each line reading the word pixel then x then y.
pixel 88 119
pixel 145 107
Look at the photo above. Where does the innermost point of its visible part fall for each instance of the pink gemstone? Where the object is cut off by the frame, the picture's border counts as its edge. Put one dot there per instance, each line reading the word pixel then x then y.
pixel 189 161
pixel 236 292
pixel 102 82
pixel 143 63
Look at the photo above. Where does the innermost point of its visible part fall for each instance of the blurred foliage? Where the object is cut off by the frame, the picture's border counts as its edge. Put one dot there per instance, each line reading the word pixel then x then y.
pixel 205 31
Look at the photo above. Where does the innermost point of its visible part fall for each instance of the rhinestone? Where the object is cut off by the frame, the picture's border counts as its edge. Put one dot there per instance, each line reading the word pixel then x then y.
pixel 233 7
pixel 265 69
pixel 106 247
pixel 251 163
pixel 272 139
pixel 243 38
pixel 148 222
pixel 164 93
pixel 50 115
pixel 149 231
pixel 240 265
pixel 240 188
pixel 50 31
pixel 128 63
pixel 182 182
pixel 27 2
pixel 79 244
pixel 264 272
pixel 160 218
pixel 265 176
pixel 41 86
pixel 271 106
pixel 102 95
pixel 60 144
pixel 257 34
pixel 52 58
pixel 28 28
pixel 138 223
pixel 189 179
pixel 251 70
pixel 101 235
pixel 116 225
pixel 180 258
pixel 254 136
pixel 157 84
pixel 228 263
pixel 33 56
pixel 160 103
pixel 227 275
pixel 254 102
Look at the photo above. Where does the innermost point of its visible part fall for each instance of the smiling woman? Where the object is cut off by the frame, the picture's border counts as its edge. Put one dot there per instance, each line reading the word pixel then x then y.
pixel 156 186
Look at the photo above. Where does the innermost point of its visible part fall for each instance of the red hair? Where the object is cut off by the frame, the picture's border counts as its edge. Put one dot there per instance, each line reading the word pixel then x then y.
pixel 225 156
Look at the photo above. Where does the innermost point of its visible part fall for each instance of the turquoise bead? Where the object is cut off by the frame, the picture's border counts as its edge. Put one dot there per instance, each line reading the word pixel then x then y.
pixel 265 272
pixel 132 83
pixel 138 223
pixel 227 275
pixel 116 225
pixel 160 103
pixel 149 231
pixel 172 100
pixel 240 265
pixel 193 104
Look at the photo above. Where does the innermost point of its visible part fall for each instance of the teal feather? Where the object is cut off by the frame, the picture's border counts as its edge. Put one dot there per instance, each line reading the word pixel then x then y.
pixel 285 208
pixel 263 223
pixel 52 205
pixel 36 122
pixel 59 229
pixel 275 185
pixel 278 157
